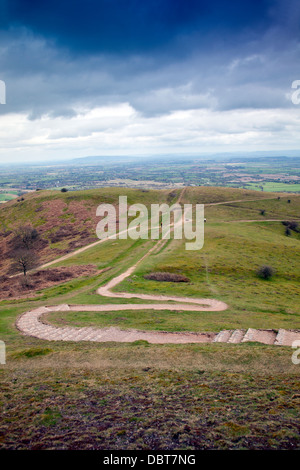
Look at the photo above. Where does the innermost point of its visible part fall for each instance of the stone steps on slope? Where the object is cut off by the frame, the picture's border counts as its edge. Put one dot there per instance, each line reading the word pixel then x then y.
pixel 253 335
pixel 260 336
pixel 230 336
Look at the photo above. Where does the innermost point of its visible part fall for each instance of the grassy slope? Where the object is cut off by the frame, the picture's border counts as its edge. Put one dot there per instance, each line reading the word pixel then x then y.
pixel 66 221
pixel 26 210
pixel 65 395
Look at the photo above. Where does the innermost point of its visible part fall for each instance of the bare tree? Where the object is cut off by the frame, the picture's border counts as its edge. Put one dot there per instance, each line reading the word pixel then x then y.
pixel 24 249
pixel 24 260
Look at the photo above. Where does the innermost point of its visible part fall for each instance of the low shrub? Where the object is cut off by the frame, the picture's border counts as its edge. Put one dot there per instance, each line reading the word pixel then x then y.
pixel 265 272
pixel 166 277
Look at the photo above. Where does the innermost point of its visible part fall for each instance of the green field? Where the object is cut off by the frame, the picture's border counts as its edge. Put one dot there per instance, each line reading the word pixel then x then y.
pixel 276 187
pixel 67 395
pixel 7 196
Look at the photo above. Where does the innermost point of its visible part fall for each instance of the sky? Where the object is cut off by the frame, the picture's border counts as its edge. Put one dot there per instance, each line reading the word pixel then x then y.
pixel 147 77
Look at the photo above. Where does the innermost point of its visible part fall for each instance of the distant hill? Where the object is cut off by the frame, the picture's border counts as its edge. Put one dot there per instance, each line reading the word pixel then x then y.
pixel 101 160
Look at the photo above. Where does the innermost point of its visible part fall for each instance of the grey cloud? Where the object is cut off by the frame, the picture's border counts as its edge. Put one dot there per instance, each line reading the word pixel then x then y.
pixel 44 80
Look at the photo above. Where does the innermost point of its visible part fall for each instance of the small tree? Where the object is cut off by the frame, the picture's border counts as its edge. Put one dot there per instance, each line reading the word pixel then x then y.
pixel 262 212
pixel 24 260
pixel 265 272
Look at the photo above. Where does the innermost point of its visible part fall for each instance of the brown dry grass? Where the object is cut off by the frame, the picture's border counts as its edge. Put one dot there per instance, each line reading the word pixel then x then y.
pixel 21 287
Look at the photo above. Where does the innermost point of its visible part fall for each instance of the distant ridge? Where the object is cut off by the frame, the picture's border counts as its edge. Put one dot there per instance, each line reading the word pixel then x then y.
pixel 98 160
pixel 119 159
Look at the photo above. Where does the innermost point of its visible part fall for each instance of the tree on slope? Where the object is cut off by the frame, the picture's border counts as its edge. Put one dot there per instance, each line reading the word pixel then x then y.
pixel 24 260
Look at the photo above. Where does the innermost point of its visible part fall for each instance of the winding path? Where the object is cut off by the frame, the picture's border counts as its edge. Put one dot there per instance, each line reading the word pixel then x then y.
pixel 31 323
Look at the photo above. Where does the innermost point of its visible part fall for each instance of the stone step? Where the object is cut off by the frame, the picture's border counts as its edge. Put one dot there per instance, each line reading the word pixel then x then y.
pixel 287 337
pixel 223 336
pixel 236 336
pixel 59 308
pixel 260 336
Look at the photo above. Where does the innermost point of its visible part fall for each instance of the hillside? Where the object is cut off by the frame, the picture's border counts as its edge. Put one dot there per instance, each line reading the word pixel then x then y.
pixel 67 221
pixel 132 366
pixel 64 221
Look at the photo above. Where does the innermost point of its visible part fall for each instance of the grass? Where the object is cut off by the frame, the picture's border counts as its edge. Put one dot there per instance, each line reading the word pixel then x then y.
pixel 64 395
pixel 278 209
pixel 102 255
pixel 32 352
pixel 276 187
pixel 4 197
pixel 209 195
pixel 217 272
pixel 148 408
pixel 26 210
pixel 166 320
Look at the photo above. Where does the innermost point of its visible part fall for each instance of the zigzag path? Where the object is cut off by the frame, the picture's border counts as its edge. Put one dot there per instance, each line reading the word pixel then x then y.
pixel 31 323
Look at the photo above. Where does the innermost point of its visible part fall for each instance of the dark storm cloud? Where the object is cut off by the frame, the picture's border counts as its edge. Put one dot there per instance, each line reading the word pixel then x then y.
pixel 158 55
pixel 134 26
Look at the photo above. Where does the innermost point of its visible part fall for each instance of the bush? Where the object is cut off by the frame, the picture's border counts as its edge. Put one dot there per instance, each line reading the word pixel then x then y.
pixel 64 190
pixel 292 225
pixel 262 212
pixel 166 277
pixel 26 283
pixel 287 232
pixel 265 272
pixel 55 276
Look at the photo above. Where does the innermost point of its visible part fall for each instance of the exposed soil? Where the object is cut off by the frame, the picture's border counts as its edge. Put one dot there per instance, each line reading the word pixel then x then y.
pixel 18 287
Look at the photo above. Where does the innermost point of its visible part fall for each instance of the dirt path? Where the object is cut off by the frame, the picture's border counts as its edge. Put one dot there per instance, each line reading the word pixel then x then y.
pixel 30 323
pixel 240 200
pixel 252 220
